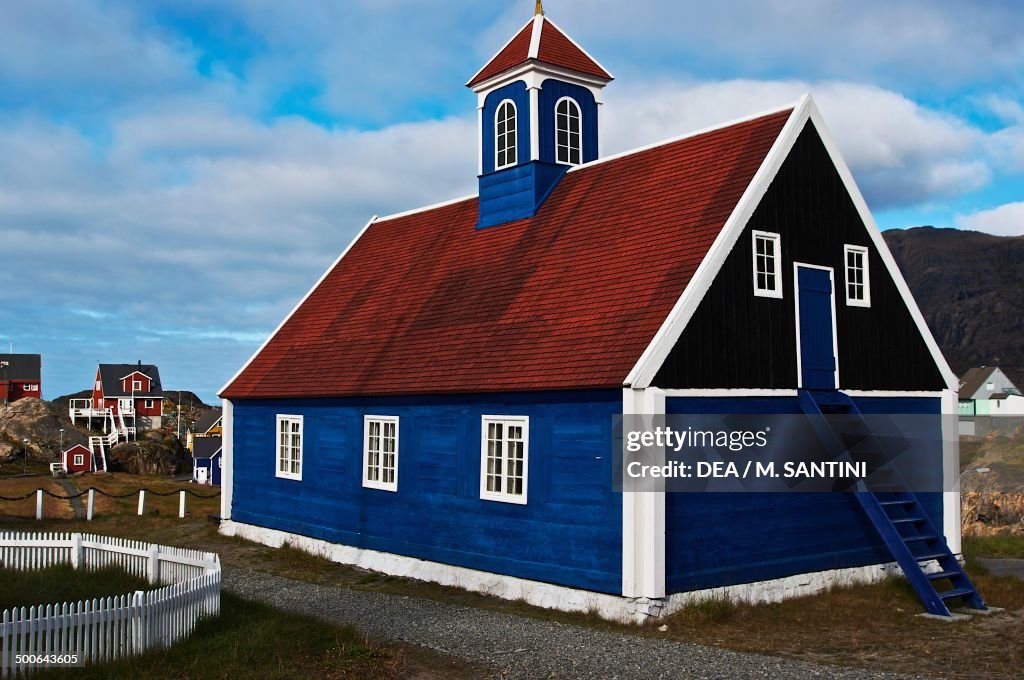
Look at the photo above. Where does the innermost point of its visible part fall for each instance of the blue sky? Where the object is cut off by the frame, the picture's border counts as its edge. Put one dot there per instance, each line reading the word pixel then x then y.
pixel 175 174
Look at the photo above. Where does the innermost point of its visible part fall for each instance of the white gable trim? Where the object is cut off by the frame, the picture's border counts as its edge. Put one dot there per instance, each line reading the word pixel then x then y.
pixel 426 208
pixel 589 56
pixel 686 306
pixel 296 308
pixel 538 26
pixel 883 250
pixel 502 49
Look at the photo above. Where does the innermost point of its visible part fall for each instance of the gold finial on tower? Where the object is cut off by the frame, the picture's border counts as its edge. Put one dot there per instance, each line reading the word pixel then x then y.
pixel 540 8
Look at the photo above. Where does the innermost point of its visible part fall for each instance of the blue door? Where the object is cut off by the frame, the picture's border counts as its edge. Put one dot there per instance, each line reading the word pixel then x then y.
pixel 817 334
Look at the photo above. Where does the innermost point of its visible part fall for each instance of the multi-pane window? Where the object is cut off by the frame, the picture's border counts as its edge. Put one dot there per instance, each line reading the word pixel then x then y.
pixel 858 283
pixel 767 264
pixel 568 138
pixel 503 459
pixel 289 447
pixel 136 386
pixel 505 135
pixel 380 452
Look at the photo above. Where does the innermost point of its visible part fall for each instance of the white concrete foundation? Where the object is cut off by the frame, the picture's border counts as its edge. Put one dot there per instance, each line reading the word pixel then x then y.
pixel 611 607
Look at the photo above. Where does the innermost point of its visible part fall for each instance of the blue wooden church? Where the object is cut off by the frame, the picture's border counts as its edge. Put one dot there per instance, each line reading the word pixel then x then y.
pixel 440 405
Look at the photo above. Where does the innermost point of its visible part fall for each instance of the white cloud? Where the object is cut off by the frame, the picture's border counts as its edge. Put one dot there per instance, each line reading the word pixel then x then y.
pixel 901 153
pixel 1005 220
pixel 911 43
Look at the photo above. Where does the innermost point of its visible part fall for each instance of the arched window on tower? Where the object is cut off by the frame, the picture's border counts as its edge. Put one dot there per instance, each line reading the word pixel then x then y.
pixel 568 139
pixel 505 135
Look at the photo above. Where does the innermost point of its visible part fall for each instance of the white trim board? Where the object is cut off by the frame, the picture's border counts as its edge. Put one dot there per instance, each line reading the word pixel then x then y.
pixel 563 598
pixel 643 515
pixel 728 392
pixel 299 304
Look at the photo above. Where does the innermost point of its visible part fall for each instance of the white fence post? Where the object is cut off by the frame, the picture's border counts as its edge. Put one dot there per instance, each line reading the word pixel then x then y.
pixel 76 550
pixel 181 504
pixel 154 564
pixel 142 501
pixel 39 503
pixel 92 504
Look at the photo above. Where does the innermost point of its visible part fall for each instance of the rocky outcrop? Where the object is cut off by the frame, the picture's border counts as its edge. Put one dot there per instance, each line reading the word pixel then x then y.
pixel 992 514
pixel 40 422
pixel 155 453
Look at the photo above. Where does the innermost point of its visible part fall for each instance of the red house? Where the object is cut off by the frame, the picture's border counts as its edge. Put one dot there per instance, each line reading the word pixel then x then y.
pixel 77 459
pixel 20 376
pixel 131 393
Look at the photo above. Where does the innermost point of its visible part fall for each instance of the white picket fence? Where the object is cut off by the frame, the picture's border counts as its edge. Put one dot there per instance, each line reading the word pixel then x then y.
pixel 107 628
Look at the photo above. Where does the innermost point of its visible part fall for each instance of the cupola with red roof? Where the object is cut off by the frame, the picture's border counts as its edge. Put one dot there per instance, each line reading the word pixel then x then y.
pixel 539 102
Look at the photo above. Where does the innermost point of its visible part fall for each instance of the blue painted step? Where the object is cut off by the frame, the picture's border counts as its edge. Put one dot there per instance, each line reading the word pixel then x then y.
pixel 893 510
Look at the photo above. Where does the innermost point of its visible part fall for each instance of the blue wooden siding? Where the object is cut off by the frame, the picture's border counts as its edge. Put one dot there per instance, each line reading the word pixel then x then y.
pixel 211 464
pixel 715 539
pixel 569 532
pixel 518 94
pixel 517 192
pixel 553 90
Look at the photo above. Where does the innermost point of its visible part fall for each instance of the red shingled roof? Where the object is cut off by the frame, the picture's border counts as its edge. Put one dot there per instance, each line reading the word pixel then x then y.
pixel 553 47
pixel 425 303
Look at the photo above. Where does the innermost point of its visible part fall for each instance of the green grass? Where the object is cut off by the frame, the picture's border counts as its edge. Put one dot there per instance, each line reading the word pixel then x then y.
pixel 63 583
pixel 252 640
pixel 1008 546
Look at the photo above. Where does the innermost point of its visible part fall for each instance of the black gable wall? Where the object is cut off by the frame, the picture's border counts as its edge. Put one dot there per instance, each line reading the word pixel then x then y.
pixel 738 340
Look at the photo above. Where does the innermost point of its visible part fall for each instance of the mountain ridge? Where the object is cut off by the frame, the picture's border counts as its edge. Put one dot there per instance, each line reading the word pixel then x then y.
pixel 970 288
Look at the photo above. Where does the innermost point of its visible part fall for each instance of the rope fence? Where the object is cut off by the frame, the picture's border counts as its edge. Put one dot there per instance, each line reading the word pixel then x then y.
pixel 92 491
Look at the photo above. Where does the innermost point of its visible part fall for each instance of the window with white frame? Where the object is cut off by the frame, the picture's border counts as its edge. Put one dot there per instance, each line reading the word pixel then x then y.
pixel 568 135
pixel 136 386
pixel 767 264
pixel 380 452
pixel 289 447
pixel 148 403
pixel 505 135
pixel 31 388
pixel 504 456
pixel 858 282
pixel 79 459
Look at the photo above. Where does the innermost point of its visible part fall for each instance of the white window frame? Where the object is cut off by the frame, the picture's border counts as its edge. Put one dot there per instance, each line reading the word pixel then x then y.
pixel 515 135
pixel 136 385
pixel 865 301
pixel 31 387
pixel 569 148
pixel 147 403
pixel 503 496
pixel 776 239
pixel 378 483
pixel 79 459
pixel 279 447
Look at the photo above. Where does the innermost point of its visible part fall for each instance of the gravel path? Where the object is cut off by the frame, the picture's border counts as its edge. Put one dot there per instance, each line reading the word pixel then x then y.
pixel 517 647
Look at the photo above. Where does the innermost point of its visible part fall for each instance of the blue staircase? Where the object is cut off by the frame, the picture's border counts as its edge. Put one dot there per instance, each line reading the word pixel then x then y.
pixel 896 513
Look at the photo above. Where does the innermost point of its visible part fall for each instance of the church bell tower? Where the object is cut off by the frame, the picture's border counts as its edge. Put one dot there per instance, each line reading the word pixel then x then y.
pixel 538 103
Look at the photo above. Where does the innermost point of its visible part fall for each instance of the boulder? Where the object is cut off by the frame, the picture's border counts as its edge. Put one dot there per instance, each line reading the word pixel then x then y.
pixel 154 453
